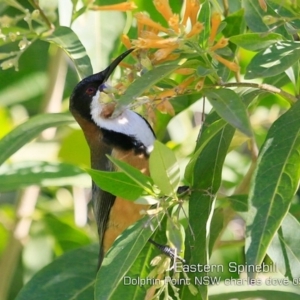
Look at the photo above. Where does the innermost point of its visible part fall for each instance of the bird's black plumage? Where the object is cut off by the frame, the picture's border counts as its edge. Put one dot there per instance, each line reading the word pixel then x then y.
pixel 103 141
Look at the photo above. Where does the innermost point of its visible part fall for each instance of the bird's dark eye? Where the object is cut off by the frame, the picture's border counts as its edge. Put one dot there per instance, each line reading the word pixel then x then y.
pixel 90 90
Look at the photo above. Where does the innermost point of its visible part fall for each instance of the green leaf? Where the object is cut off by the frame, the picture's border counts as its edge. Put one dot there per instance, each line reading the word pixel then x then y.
pixel 65 38
pixel 65 278
pixel 273 60
pixel 239 202
pixel 176 235
pixel 274 184
pixel 164 169
pixel 230 107
pixel 144 181
pixel 22 174
pixel 121 257
pixel 206 136
pixel 235 25
pixel 116 183
pixel 25 132
pixel 207 180
pixel 68 237
pixel 204 18
pixel 255 41
pixel 145 82
pixel 216 228
pixel 284 249
pixel 254 16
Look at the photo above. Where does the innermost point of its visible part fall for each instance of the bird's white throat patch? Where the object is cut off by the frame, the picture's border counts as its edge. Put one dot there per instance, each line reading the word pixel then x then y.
pixel 127 122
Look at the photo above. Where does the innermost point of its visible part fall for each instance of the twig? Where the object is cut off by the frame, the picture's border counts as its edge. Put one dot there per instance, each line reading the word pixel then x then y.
pixel 262 86
pixel 44 17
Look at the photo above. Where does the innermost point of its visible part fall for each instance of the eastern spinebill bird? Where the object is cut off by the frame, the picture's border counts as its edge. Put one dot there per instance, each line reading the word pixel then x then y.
pixel 127 137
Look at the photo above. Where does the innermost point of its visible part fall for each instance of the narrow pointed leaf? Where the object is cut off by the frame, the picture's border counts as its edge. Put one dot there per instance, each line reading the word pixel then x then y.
pixel 136 175
pixel 164 169
pixel 122 256
pixel 273 60
pixel 65 278
pixel 230 107
pixel 207 180
pixel 25 132
pixel 274 184
pixel 204 18
pixel 255 41
pixel 206 136
pixel 116 183
pixel 66 38
pixel 284 249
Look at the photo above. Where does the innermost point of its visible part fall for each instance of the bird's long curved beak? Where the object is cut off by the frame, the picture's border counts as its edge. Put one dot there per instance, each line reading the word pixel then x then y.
pixel 108 71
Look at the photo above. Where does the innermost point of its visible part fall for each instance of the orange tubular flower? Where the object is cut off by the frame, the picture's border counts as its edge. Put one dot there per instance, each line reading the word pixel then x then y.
pixel 196 29
pixel 199 84
pixel 126 41
pixel 163 7
pixel 192 8
pixel 172 56
pixel 145 20
pixel 223 42
pixel 166 107
pixel 184 84
pixel 149 43
pixel 174 22
pixel 187 11
pixel 195 7
pixel 215 23
pixel 263 5
pixel 165 94
pixel 150 35
pixel 161 54
pixel 150 112
pixel 184 71
pixel 124 6
pixel 229 64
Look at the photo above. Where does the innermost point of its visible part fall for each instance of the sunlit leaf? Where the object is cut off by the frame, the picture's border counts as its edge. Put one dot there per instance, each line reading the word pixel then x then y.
pixel 176 235
pixel 255 41
pixel 273 60
pixel 284 249
pixel 230 107
pixel 207 173
pixel 136 175
pixel 116 183
pixel 204 17
pixel 164 169
pixel 65 38
pixel 274 184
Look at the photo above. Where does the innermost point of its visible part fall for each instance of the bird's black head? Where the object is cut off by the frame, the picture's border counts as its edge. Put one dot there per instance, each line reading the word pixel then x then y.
pixel 86 89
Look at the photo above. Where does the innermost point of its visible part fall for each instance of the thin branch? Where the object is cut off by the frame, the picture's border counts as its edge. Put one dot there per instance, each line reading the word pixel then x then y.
pixel 44 17
pixel 262 86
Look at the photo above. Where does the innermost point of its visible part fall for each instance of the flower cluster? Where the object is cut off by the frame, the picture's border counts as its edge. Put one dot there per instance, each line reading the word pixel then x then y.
pixel 157 44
